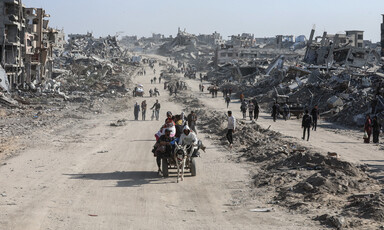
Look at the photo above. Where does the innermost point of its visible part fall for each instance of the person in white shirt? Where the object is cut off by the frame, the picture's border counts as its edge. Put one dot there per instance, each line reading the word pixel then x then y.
pixel 189 138
pixel 231 128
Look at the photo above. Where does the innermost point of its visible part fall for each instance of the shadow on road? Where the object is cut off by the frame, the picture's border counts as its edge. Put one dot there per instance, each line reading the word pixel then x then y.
pixel 124 179
pixel 345 142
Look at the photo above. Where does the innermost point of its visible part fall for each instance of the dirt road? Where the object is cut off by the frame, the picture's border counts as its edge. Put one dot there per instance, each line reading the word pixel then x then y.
pixel 94 176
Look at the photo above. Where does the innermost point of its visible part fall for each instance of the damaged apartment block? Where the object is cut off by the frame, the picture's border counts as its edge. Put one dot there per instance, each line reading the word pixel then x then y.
pixel 25 44
pixel 340 49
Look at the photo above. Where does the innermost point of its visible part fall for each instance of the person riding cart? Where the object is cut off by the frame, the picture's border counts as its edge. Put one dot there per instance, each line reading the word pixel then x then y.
pixel 169 124
pixel 163 147
pixel 189 138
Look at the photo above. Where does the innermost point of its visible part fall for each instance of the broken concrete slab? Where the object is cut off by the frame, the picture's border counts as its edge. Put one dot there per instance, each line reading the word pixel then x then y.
pixel 334 102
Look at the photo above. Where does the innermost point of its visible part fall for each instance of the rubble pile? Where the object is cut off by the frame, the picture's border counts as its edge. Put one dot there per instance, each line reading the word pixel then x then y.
pixel 187 48
pixel 303 181
pixel 342 96
pixel 87 74
pixel 344 81
pixel 87 45
pixel 95 66
pixel 368 206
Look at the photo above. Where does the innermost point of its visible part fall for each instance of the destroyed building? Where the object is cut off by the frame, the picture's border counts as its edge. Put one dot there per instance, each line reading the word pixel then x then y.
pixel 341 49
pixel 38 55
pixel 245 40
pixel 57 37
pixel 187 48
pixel 26 47
pixel 213 39
pixel 342 73
pixel 12 26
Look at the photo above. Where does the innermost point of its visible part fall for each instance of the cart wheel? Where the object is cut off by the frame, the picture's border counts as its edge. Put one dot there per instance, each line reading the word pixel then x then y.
pixel 192 166
pixel 164 165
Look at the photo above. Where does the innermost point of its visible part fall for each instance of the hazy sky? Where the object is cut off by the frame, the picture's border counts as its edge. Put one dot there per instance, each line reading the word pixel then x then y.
pixel 262 18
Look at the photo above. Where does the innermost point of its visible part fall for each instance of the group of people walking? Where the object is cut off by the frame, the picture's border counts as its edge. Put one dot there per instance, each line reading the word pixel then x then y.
pixel 174 88
pixel 252 107
pixel 371 127
pixel 154 80
pixel 137 108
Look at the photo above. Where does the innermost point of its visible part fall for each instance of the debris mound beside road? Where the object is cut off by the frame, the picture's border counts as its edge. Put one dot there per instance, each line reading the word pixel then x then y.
pixel 301 179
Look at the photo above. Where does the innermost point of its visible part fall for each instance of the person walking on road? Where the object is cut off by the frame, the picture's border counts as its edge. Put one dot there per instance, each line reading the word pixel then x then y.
pixel 251 108
pixel 275 111
pixel 375 130
pixel 143 109
pixel 227 100
pixel 315 115
pixel 256 110
pixel 231 128
pixel 156 106
pixel 243 109
pixel 306 124
pixel 136 111
pixel 241 97
pixel 286 111
pixel 192 118
pixel 367 129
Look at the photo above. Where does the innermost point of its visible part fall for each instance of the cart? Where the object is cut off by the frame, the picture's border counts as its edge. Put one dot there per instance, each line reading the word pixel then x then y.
pixel 139 91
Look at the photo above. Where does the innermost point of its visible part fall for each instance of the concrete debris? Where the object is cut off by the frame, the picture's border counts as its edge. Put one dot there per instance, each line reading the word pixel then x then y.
pixel 343 80
pixel 4 84
pixel 304 181
pixel 121 122
pixel 261 210
pixel 337 222
pixel 197 51
pixel 334 102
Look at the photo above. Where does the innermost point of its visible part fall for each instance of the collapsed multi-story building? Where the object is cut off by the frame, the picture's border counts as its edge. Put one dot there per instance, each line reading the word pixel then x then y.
pixel 213 39
pixel 12 42
pixel 38 53
pixel 25 43
pixel 344 49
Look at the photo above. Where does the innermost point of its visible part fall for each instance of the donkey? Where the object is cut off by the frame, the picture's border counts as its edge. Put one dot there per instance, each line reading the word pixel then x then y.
pixel 180 157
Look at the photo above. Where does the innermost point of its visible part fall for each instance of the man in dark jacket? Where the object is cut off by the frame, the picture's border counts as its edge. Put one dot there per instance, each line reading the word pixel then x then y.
pixel 375 129
pixel 136 111
pixel 156 106
pixel 315 116
pixel 306 124
pixel 257 109
pixel 243 108
pixel 275 111
pixel 227 100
